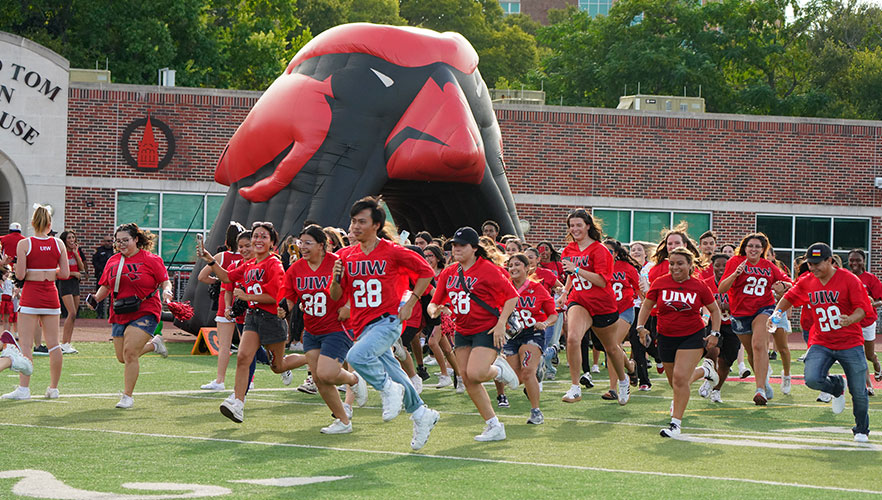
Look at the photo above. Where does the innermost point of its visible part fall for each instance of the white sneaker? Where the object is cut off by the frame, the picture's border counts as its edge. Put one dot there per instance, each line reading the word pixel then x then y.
pixel 769 392
pixel 839 403
pixel 233 409
pixel 710 372
pixel 672 430
pixel 337 427
pixel 824 397
pixel 51 393
pixel 786 385
pixel 20 363
pixel 715 396
pixel 422 426
pixel 68 349
pixel 506 374
pixel 20 393
pixel 398 350
pixel 417 383
pixel 250 385
pixel 861 438
pixel 743 371
pixel 460 386
pixel 444 381
pixel 125 402
pixel 361 391
pixel 287 377
pixel 573 395
pixel 297 347
pixel 492 433
pixel 705 389
pixel 624 392
pixel 595 369
pixel 308 386
pixel 393 397
pixel 430 361
pixel 214 385
pixel 159 346
pixel 348 409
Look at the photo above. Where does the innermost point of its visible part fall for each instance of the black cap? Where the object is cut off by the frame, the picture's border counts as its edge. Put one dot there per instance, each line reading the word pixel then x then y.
pixel 466 236
pixel 818 252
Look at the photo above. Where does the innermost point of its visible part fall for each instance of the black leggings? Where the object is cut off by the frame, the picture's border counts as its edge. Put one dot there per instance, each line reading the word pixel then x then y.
pixel 638 350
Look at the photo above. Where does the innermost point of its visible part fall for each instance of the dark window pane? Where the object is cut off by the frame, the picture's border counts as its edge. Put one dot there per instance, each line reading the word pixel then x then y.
pixel 697 224
pixel 786 257
pixel 779 229
pixel 179 210
pixel 849 234
pixel 615 223
pixel 140 208
pixel 649 225
pixel 811 230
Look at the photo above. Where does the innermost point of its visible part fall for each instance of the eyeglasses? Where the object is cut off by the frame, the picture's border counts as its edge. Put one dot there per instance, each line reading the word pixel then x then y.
pixel 123 241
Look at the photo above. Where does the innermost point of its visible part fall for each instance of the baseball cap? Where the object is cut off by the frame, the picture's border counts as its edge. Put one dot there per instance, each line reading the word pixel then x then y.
pixel 818 252
pixel 15 226
pixel 466 236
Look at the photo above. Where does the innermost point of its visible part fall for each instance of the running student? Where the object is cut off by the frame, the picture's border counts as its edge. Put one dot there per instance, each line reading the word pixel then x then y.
pixel 640 251
pixel 372 275
pixel 261 279
pixel 326 340
pixel 535 309
pixel 625 284
pixel 838 301
pixel 238 243
pixel 728 344
pixel 134 279
pixel 438 342
pixel 679 298
pixel 40 260
pixel 481 299
pixel 69 289
pixel 751 282
pixel 857 260
pixel 592 303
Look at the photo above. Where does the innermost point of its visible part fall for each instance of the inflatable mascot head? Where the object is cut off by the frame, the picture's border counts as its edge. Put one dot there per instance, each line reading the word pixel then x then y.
pixel 361 110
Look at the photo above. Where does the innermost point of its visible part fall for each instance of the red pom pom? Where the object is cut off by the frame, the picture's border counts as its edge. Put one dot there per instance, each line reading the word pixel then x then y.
pixel 181 310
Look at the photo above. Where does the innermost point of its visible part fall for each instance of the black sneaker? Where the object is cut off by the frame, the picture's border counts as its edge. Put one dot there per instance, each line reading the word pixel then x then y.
pixel 554 359
pixel 502 401
pixel 585 380
pixel 41 350
pixel 423 373
pixel 773 355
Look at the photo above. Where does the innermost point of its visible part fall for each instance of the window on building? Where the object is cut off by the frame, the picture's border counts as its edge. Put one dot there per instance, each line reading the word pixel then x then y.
pixel 511 7
pixel 175 219
pixel 647 225
pixel 595 7
pixel 791 235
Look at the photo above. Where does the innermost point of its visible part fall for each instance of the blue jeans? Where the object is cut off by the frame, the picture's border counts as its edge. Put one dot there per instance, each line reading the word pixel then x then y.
pixel 372 358
pixel 818 361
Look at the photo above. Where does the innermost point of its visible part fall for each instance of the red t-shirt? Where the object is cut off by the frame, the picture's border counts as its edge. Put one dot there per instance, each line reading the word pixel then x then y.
pixel 10 243
pixel 259 278
pixel 72 263
pixel 625 284
pixel 597 259
pixel 555 267
pixel 706 273
pixel 679 305
pixel 534 303
pixel 841 296
pixel 752 289
pixel 487 281
pixel 656 272
pixel 416 317
pixel 142 273
pixel 546 278
pixel 301 283
pixel 874 290
pixel 721 298
pixel 374 283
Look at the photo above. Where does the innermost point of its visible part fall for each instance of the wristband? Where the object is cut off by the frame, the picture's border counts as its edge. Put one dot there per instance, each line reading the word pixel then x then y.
pixel 576 270
pixel 715 333
pixel 212 263
pixel 641 326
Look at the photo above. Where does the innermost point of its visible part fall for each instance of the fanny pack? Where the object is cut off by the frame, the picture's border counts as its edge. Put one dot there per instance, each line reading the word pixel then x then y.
pixel 126 305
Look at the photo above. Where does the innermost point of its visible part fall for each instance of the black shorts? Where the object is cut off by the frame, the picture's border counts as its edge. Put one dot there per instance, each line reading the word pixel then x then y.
pixel 728 343
pixel 668 346
pixel 483 339
pixel 68 287
pixel 409 333
pixel 599 320
pixel 270 328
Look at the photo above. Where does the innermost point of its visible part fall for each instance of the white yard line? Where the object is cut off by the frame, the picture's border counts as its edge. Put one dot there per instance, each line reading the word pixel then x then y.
pixel 449 457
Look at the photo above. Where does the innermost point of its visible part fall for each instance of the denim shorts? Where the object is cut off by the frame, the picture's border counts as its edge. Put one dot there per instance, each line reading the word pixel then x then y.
pixel 334 345
pixel 743 325
pixel 270 328
pixel 530 336
pixel 627 315
pixel 147 323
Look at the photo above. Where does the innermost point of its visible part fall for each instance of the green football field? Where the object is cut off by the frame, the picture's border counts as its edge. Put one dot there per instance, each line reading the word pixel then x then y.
pixel 175 443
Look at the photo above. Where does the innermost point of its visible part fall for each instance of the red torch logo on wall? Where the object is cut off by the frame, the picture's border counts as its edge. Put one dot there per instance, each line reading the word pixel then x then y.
pixel 149 155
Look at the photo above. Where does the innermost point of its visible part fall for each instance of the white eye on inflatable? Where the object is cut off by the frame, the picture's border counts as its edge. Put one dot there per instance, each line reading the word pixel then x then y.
pixel 388 82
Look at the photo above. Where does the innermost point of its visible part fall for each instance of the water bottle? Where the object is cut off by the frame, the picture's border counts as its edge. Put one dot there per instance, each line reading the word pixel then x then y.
pixel 775 320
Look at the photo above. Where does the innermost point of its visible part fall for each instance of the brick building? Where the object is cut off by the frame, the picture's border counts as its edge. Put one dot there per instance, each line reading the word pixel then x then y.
pixel 800 180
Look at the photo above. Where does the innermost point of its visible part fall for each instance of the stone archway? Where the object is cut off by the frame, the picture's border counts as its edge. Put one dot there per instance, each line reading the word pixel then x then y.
pixel 14 191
